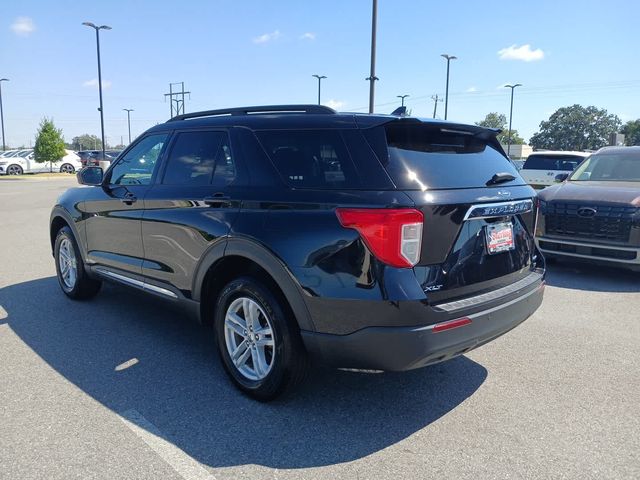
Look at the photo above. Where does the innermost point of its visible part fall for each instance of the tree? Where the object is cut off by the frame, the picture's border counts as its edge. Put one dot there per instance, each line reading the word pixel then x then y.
pixel 86 142
pixel 499 120
pixel 631 132
pixel 49 143
pixel 576 128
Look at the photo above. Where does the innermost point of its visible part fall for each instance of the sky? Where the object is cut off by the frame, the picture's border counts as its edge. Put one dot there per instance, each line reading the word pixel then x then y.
pixel 249 52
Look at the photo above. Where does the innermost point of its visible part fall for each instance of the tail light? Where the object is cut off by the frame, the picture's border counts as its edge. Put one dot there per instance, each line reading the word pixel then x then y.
pixel 394 235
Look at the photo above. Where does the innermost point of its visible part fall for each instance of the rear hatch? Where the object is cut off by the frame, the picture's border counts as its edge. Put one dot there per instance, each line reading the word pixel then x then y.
pixel 478 211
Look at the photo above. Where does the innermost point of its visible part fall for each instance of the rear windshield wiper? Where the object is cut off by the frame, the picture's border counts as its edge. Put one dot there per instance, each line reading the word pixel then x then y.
pixel 500 178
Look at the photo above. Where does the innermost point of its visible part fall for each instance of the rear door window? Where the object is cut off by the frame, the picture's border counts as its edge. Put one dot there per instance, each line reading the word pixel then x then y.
pixel 193 158
pixel 422 157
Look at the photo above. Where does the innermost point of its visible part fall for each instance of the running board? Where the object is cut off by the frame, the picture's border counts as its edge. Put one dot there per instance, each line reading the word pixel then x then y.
pixel 135 283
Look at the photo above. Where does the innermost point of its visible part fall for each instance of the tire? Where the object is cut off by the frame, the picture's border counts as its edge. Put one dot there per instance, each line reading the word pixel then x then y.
pixel 67 168
pixel 279 356
pixel 14 169
pixel 73 279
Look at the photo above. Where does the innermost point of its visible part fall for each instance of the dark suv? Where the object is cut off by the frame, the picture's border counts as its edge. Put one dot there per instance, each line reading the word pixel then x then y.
pixel 376 242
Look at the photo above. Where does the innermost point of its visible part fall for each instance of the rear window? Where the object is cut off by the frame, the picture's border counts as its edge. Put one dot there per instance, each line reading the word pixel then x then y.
pixel 320 159
pixel 565 163
pixel 422 157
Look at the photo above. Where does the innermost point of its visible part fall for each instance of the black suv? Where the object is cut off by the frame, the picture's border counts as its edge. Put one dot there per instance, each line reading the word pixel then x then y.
pixel 377 242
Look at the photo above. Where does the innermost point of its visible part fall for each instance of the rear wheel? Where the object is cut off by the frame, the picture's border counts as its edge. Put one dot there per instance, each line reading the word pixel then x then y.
pixel 259 344
pixel 72 276
pixel 14 170
pixel 67 168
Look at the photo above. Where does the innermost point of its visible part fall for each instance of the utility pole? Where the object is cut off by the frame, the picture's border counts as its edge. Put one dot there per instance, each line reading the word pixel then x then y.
pixel 4 146
pixel 402 97
pixel 512 87
pixel 179 101
pixel 319 77
pixel 446 95
pixel 435 104
pixel 372 76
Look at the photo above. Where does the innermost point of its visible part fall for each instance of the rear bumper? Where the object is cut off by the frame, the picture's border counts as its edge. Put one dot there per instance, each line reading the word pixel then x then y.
pixel 406 348
pixel 602 253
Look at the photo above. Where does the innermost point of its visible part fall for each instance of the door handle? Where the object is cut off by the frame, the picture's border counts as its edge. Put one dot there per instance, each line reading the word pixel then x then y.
pixel 129 199
pixel 217 200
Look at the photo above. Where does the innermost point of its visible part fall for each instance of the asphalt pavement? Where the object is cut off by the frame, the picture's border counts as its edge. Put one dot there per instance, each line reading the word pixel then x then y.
pixel 125 387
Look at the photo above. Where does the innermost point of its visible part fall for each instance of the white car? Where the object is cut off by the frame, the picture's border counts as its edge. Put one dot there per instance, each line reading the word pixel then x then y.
pixel 24 162
pixel 541 168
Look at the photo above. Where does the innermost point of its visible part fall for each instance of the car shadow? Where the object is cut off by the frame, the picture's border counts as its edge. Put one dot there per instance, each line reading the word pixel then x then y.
pixel 178 383
pixel 595 278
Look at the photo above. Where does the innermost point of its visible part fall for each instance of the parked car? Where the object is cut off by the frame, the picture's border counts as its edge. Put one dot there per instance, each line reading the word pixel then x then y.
pixel 93 157
pixel 595 214
pixel 362 241
pixel 541 168
pixel 24 162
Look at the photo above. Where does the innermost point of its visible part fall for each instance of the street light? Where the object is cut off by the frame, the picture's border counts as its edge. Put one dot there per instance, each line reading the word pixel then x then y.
pixel 319 77
pixel 512 87
pixel 4 147
pixel 97 29
pixel 446 95
pixel 129 110
pixel 402 97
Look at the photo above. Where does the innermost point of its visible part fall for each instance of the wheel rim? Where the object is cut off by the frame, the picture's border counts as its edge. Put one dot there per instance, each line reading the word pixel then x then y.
pixel 13 170
pixel 66 168
pixel 249 338
pixel 67 263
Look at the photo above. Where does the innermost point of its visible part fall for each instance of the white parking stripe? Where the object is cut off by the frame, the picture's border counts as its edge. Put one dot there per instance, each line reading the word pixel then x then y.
pixel 186 466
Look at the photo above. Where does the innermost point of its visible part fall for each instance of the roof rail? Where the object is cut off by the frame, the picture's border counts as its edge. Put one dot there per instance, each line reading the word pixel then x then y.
pixel 265 109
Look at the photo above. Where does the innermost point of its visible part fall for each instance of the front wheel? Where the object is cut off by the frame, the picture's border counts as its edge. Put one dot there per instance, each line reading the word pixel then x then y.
pixel 67 168
pixel 72 276
pixel 258 342
pixel 14 170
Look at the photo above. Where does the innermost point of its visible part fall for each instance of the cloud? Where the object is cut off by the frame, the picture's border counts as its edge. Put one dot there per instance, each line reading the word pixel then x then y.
pixel 267 37
pixel 335 104
pixel 93 83
pixel 523 53
pixel 23 26
pixel 471 90
pixel 308 36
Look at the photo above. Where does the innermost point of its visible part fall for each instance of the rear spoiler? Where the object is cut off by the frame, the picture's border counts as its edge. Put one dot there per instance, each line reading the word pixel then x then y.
pixel 489 135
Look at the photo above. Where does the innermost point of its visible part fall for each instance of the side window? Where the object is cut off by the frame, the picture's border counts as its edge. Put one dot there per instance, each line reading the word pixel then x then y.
pixel 193 158
pixel 137 166
pixel 225 170
pixel 311 159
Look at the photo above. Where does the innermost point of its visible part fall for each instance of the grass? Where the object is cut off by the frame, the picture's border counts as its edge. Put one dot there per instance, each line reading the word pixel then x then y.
pixel 42 176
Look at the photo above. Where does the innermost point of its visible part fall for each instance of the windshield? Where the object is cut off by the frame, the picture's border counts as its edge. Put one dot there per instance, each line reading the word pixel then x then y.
pixel 613 167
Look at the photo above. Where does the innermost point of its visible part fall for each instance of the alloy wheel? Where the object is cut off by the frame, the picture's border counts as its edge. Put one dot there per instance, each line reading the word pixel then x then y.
pixel 14 170
pixel 67 264
pixel 249 338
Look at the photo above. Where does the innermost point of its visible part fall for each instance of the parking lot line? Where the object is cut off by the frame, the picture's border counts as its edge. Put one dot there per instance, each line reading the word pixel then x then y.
pixel 187 467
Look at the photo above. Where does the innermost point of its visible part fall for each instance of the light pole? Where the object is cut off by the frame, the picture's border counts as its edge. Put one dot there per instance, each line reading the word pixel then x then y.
pixel 97 29
pixel 4 146
pixel 446 95
pixel 402 97
pixel 372 76
pixel 129 110
pixel 512 87
pixel 319 77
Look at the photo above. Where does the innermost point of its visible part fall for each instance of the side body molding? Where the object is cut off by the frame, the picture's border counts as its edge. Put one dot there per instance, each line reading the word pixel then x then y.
pixel 253 251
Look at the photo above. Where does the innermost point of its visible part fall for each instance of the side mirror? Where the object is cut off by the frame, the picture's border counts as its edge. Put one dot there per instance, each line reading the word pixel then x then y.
pixel 561 177
pixel 90 176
